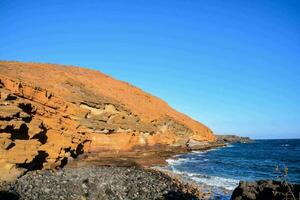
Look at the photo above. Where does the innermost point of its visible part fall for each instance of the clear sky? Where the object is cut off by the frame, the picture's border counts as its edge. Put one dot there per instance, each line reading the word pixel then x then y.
pixel 233 65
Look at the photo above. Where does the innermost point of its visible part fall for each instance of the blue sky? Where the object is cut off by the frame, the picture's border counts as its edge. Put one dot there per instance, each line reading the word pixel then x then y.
pixel 233 65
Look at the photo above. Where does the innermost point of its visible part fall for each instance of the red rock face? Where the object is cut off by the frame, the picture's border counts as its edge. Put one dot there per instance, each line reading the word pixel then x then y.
pixel 51 113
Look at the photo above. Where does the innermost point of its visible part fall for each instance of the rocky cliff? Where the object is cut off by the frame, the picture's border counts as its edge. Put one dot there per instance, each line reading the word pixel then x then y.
pixel 50 114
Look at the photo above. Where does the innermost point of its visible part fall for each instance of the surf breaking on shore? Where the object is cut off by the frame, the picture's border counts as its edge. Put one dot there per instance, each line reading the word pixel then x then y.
pixel 219 187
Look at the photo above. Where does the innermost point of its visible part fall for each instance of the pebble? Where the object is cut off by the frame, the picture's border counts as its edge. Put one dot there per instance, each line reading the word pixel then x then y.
pixel 111 183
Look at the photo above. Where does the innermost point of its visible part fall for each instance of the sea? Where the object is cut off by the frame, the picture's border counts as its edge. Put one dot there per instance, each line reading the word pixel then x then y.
pixel 222 168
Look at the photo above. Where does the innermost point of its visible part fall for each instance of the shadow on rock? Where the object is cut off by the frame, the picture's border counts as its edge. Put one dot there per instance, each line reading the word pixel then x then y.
pixel 176 195
pixel 9 195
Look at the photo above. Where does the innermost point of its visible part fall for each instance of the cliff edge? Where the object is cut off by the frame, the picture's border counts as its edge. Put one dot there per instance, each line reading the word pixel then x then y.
pixel 50 114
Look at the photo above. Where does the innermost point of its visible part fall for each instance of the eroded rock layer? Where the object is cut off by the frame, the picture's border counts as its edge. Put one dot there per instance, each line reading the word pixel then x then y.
pixel 50 114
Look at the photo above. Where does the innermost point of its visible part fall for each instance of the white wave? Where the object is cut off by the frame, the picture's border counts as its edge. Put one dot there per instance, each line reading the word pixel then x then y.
pixel 215 181
pixel 176 161
pixel 285 145
pixel 213 149
pixel 197 152
pixel 177 171
pixel 200 152
pixel 212 181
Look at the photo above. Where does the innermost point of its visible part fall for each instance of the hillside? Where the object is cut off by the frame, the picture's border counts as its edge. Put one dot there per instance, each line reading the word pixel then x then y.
pixel 52 113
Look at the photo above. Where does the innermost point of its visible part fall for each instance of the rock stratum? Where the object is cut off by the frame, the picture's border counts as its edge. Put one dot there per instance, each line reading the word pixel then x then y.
pixel 49 114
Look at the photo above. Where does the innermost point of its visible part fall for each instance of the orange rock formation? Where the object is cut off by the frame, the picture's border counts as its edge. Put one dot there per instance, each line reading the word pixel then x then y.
pixel 52 113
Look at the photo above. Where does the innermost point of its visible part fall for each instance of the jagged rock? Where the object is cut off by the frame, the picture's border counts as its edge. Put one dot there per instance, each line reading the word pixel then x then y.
pixel 24 151
pixel 9 112
pixel 266 189
pixel 50 114
pixel 5 141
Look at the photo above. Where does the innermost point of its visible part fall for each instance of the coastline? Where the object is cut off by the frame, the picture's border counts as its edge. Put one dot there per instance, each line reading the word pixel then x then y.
pixel 245 173
pixel 211 191
pixel 178 186
pixel 126 179
pixel 149 156
pixel 207 191
pixel 94 182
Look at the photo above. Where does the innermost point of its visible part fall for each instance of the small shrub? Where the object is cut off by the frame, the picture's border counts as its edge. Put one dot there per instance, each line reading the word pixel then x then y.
pixel 282 176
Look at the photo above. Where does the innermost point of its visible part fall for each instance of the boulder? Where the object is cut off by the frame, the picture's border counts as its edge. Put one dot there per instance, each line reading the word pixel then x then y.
pixel 197 145
pixel 266 189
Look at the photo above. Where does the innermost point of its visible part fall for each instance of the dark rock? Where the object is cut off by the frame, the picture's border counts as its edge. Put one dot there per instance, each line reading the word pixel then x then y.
pixel 266 189
pixel 95 182
pixel 232 139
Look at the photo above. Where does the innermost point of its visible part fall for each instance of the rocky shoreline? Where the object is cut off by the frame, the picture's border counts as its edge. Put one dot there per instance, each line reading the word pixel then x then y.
pixel 143 156
pixel 108 175
pixel 94 182
pixel 129 178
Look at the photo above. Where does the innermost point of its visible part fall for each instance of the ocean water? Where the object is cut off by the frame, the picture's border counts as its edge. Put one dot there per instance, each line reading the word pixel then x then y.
pixel 223 168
